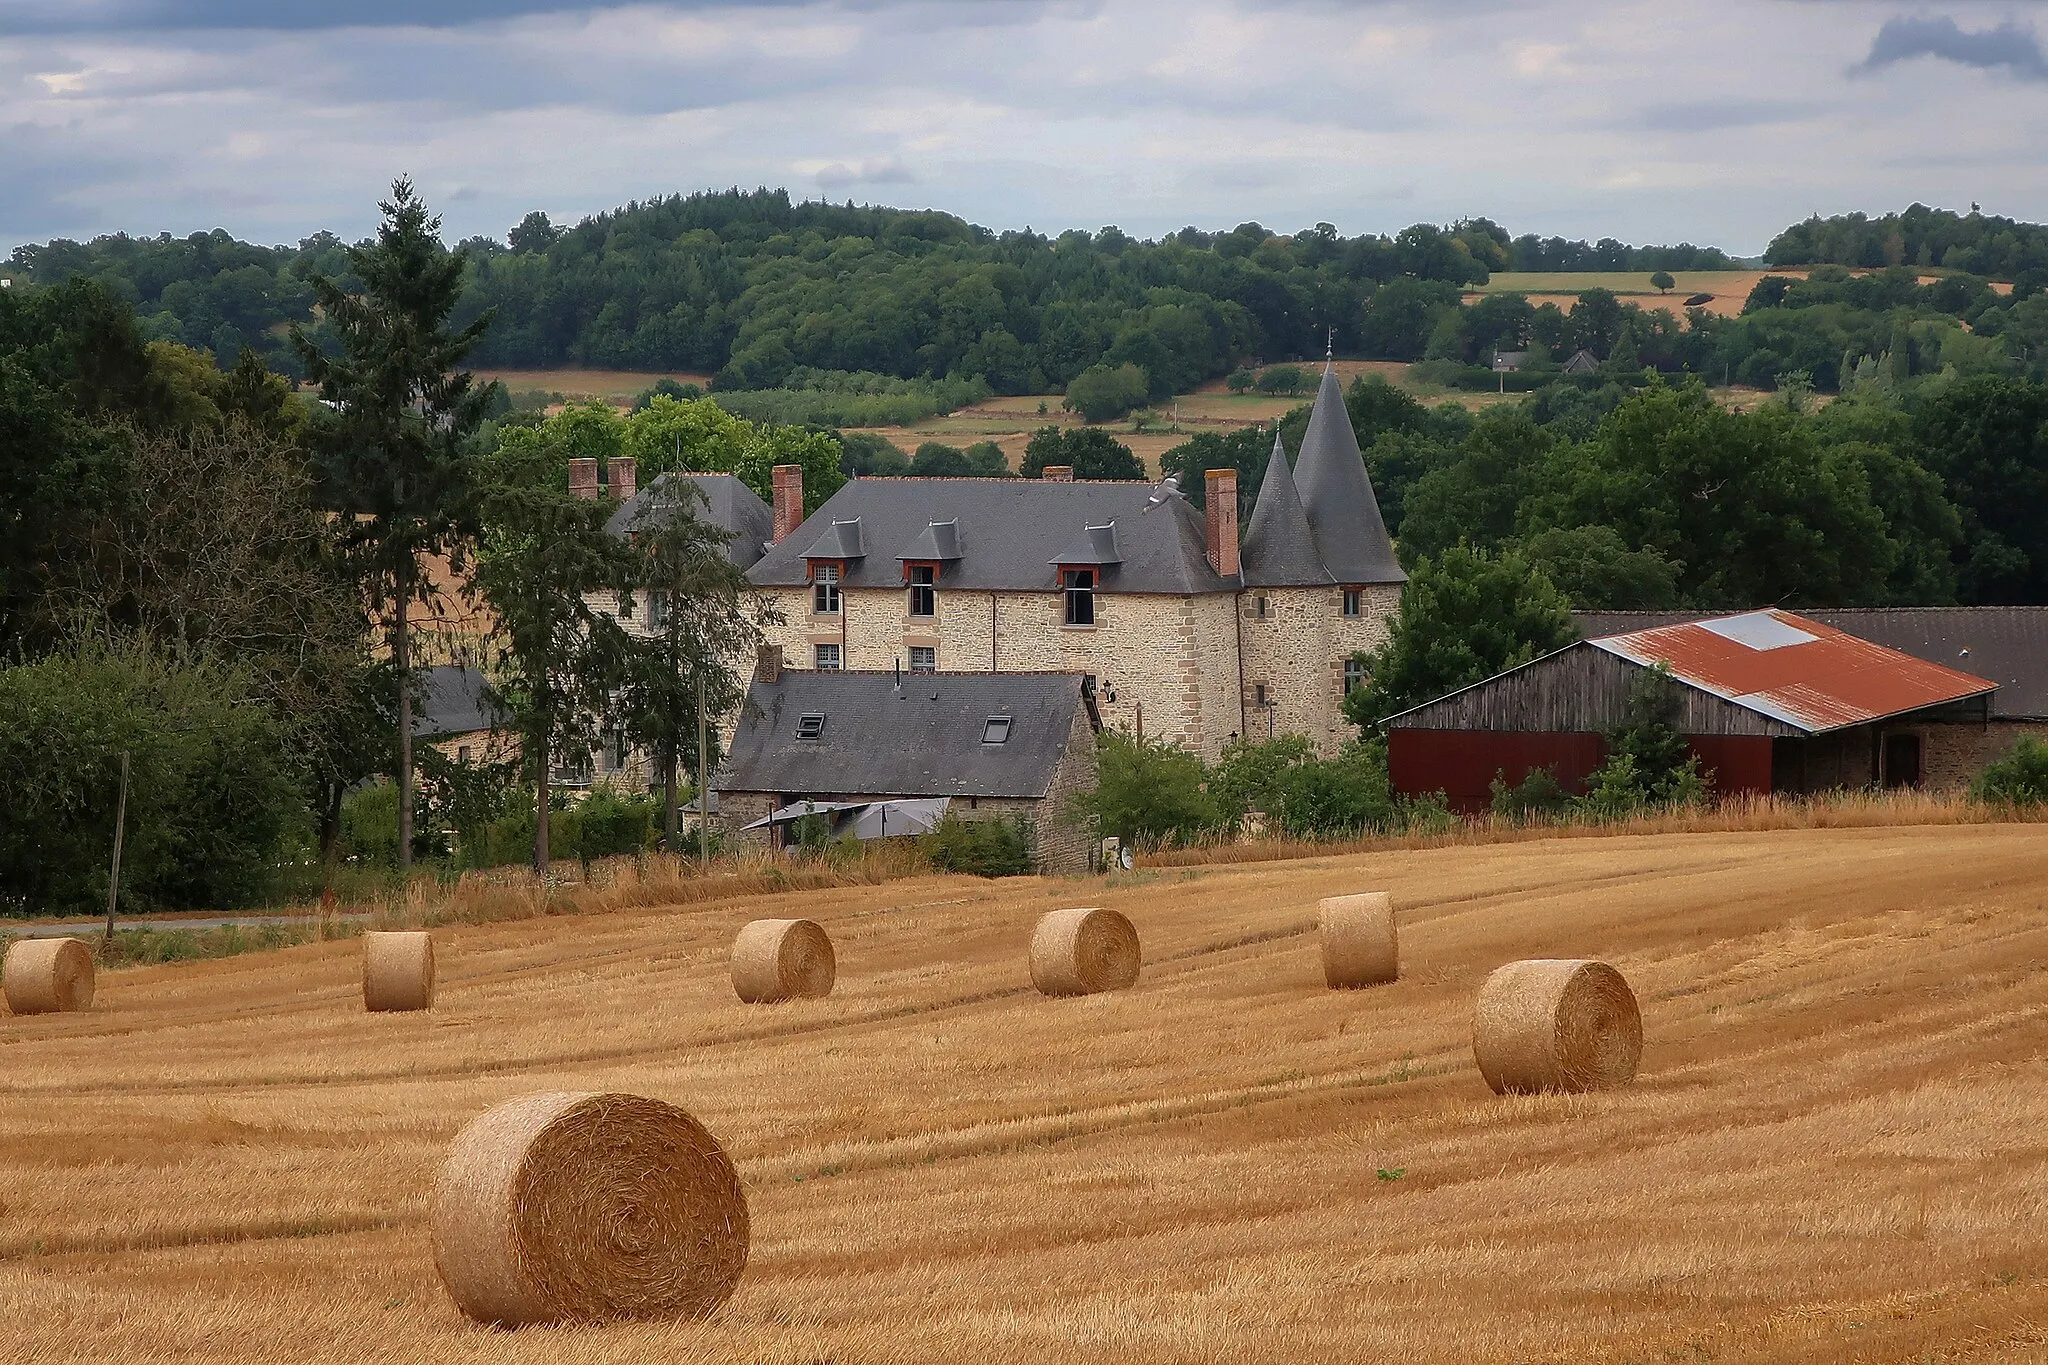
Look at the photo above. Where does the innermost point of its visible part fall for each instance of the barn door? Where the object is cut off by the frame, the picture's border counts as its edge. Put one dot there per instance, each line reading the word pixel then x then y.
pixel 1902 760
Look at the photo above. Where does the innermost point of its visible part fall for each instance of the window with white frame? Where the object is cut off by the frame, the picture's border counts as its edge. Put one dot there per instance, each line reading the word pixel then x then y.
pixel 1080 590
pixel 825 589
pixel 924 658
pixel 1354 674
pixel 924 591
pixel 828 658
pixel 1354 602
pixel 657 610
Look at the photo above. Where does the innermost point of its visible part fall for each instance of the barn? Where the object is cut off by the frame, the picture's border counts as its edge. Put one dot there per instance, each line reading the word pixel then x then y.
pixel 1772 702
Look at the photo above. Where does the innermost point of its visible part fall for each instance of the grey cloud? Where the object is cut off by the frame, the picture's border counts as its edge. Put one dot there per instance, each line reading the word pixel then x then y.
pixel 130 16
pixel 883 170
pixel 1706 116
pixel 2012 45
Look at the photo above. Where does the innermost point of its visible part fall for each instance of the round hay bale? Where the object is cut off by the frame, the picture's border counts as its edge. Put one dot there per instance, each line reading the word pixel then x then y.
pixel 47 975
pixel 398 970
pixel 587 1208
pixel 1359 947
pixel 782 959
pixel 1556 1024
pixel 1080 952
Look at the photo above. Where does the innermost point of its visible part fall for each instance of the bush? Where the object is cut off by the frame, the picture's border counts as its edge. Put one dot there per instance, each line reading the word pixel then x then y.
pixel 212 795
pixel 1540 794
pixel 508 840
pixel 1287 379
pixel 1251 774
pixel 979 848
pixel 1147 791
pixel 612 822
pixel 1103 393
pixel 2018 779
pixel 1348 794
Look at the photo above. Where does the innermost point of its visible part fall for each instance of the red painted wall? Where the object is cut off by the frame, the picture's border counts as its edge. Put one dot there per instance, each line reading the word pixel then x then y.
pixel 1462 763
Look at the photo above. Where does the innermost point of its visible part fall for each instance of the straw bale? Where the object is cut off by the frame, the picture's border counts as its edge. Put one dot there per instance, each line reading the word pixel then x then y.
pixel 398 970
pixel 587 1208
pixel 1359 946
pixel 1556 1024
pixel 782 959
pixel 47 975
pixel 1080 952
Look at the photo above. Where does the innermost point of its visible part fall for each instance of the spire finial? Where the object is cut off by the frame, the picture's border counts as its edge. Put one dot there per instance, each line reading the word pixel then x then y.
pixel 1330 348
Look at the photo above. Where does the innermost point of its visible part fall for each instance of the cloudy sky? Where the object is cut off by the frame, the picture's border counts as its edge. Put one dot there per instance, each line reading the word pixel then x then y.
pixel 1707 120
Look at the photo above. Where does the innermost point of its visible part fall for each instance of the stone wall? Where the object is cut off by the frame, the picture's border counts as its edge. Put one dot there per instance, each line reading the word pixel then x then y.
pixel 1951 755
pixel 1297 650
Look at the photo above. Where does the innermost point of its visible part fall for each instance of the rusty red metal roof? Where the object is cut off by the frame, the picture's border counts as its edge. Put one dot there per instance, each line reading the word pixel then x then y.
pixel 1795 670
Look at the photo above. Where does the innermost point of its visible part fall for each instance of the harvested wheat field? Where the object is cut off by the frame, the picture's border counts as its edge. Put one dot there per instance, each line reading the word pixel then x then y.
pixel 1836 1148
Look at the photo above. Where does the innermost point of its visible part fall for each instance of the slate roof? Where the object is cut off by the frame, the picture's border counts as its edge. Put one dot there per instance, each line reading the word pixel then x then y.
pixel 1010 534
pixel 2007 645
pixel 889 735
pixel 455 701
pixel 1279 548
pixel 1337 495
pixel 728 504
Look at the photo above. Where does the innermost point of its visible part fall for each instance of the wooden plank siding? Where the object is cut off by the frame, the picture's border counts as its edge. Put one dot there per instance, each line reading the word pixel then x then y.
pixel 1579 689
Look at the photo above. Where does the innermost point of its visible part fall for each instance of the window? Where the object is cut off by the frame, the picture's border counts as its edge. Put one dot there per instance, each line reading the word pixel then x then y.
pixel 462 753
pixel 924 658
pixel 810 725
pixel 828 658
pixel 657 611
pixel 1354 602
pixel 825 591
pixel 995 730
pixel 1258 694
pixel 1080 586
pixel 1354 674
pixel 924 593
pixel 1259 607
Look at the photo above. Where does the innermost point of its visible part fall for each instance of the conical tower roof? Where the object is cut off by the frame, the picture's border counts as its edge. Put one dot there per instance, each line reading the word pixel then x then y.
pixel 1338 498
pixel 1279 549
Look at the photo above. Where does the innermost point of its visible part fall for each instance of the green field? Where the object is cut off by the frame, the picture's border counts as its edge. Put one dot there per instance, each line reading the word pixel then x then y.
pixel 1718 282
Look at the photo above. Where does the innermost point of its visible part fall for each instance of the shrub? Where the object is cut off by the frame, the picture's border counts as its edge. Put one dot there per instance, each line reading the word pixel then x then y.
pixel 1287 379
pixel 1342 795
pixel 979 848
pixel 612 822
pixel 508 840
pixel 2018 779
pixel 1147 791
pixel 1251 774
pixel 1539 794
pixel 1103 393
pixel 212 795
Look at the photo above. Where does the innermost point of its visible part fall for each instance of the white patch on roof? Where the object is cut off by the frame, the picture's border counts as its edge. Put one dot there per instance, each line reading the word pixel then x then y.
pixel 1759 630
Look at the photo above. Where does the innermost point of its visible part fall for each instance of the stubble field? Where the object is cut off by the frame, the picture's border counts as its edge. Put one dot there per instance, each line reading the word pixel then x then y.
pixel 1835 1151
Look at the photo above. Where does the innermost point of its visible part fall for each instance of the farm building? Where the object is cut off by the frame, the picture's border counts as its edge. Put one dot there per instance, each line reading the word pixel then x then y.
pixel 988 745
pixel 1772 702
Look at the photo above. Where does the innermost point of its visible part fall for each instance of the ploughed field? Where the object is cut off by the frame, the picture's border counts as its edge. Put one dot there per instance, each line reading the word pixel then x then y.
pixel 1837 1148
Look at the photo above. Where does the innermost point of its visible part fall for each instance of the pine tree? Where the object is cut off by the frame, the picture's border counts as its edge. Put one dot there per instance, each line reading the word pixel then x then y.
pixel 393 459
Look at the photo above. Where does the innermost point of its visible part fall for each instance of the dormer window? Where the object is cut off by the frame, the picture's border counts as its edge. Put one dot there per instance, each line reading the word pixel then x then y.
pixel 1079 586
pixel 825 589
pixel 995 730
pixel 1354 602
pixel 924 591
pixel 810 725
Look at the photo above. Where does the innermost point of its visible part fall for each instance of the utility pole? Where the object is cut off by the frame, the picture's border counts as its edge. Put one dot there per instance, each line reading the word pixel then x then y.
pixel 120 828
pixel 703 788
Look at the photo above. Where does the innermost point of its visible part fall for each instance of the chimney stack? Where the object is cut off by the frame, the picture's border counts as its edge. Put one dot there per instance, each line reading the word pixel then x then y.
pixel 1058 473
pixel 624 472
pixel 583 478
pixel 789 499
pixel 1221 504
pixel 768 664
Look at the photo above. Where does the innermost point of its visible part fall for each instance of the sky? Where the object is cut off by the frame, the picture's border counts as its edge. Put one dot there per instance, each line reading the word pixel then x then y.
pixel 1712 121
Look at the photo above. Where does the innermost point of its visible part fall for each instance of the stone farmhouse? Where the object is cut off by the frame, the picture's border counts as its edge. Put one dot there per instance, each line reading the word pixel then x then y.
pixel 1188 635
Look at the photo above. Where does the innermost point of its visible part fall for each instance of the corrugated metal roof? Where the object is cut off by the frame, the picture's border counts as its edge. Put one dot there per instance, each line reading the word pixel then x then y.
pixel 1795 670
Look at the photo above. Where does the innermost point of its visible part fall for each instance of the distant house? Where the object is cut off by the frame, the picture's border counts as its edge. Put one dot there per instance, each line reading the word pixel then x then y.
pixel 1771 702
pixel 993 745
pixel 458 717
pixel 1507 362
pixel 1582 362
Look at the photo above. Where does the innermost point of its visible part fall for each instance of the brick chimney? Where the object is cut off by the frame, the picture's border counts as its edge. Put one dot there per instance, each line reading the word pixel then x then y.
pixel 624 472
pixel 1058 473
pixel 583 478
pixel 768 664
pixel 789 499
pixel 1221 505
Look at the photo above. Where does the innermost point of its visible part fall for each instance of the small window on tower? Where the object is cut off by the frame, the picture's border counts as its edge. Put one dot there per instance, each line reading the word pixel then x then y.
pixel 1258 694
pixel 1259 607
pixel 1354 602
pixel 1354 674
